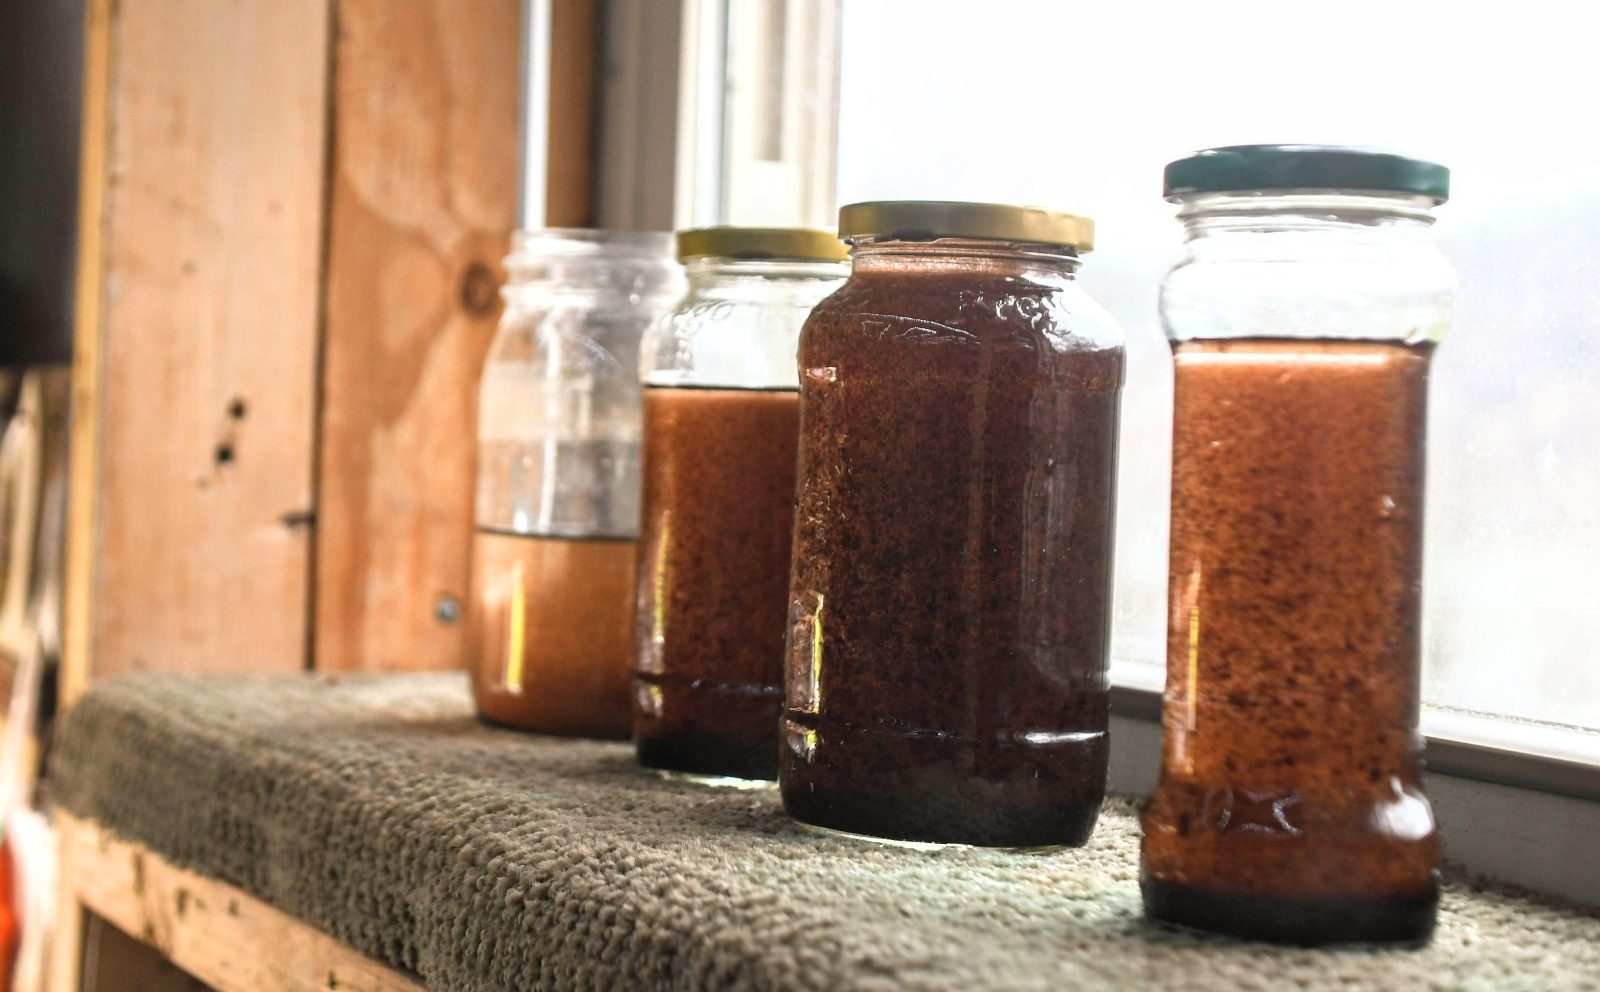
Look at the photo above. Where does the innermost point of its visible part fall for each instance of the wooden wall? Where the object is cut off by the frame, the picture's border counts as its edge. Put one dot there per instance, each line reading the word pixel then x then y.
pixel 424 193
pixel 291 223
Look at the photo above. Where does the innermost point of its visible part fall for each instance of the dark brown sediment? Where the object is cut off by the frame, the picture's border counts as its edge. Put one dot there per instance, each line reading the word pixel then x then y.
pixel 564 668
pixel 1309 922
pixel 950 604
pixel 719 470
pixel 1291 771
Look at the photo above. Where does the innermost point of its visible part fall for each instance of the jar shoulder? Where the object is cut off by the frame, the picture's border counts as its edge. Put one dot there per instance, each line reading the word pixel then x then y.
pixel 1281 286
pixel 735 339
pixel 991 310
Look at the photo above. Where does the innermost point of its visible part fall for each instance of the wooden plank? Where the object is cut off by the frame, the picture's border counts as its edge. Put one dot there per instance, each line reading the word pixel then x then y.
pixel 228 939
pixel 64 967
pixel 574 47
pixel 84 441
pixel 423 200
pixel 199 314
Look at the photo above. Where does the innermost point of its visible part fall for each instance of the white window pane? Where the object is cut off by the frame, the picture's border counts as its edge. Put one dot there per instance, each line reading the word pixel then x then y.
pixel 1078 107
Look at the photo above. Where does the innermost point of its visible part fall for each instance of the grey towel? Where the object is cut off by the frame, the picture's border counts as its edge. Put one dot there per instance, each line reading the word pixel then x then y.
pixel 378 809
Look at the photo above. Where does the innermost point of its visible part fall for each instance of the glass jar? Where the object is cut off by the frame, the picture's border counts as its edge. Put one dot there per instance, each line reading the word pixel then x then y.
pixel 558 480
pixel 951 585
pixel 721 416
pixel 1302 318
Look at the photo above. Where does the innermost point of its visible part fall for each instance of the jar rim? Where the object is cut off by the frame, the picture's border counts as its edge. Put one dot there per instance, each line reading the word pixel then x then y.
pixel 529 244
pixel 931 220
pixel 775 244
pixel 1319 208
pixel 1284 168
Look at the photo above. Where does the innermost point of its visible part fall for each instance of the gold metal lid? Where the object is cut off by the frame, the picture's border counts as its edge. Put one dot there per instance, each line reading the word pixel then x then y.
pixel 926 220
pixel 800 244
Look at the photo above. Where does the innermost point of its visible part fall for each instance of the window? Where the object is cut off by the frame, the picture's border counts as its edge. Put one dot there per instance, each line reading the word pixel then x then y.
pixel 1079 106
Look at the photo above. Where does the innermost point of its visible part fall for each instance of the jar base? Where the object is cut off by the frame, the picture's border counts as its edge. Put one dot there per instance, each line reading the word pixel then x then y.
pixel 703 727
pixel 1404 921
pixel 707 758
pixel 922 845
pixel 912 788
pixel 887 821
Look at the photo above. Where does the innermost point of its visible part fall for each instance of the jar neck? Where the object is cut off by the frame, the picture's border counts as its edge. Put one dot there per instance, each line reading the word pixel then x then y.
pixel 560 262
pixel 1330 212
pixel 967 256
pixel 704 273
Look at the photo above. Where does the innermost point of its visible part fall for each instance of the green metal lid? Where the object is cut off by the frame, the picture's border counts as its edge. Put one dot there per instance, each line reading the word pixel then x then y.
pixel 1241 168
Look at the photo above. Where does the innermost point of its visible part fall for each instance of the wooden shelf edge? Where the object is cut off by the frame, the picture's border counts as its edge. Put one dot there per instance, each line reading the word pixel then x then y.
pixel 221 935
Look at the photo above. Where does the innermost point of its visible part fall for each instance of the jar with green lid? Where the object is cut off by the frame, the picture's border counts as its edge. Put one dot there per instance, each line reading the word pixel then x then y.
pixel 950 602
pixel 721 422
pixel 1303 316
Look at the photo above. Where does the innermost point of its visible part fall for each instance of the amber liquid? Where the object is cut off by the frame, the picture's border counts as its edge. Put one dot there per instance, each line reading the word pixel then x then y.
pixel 1290 805
pixel 552 625
pixel 950 606
pixel 719 470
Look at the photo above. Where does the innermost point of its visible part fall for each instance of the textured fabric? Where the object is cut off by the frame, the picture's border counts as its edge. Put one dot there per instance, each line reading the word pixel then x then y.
pixel 378 809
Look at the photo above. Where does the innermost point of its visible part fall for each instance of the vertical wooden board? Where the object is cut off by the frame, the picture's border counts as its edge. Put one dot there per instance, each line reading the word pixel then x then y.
pixel 83 468
pixel 424 194
pixel 207 298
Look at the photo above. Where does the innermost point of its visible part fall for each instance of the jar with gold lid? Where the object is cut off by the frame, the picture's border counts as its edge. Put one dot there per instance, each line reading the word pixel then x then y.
pixel 721 424
pixel 950 603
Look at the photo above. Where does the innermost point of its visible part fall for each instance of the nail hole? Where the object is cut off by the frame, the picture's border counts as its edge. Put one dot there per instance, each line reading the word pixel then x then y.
pixel 237 409
pixel 479 289
pixel 224 454
pixel 447 609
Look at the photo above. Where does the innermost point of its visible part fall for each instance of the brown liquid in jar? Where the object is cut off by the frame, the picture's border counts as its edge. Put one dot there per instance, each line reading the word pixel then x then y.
pixel 950 605
pixel 1290 805
pixel 719 470
pixel 552 626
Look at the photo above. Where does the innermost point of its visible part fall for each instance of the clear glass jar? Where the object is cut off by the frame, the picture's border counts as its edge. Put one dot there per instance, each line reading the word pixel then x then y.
pixel 950 602
pixel 722 421
pixel 1302 316
pixel 558 479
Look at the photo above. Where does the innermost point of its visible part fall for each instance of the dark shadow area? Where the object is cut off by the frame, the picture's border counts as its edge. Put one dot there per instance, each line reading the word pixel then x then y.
pixel 41 95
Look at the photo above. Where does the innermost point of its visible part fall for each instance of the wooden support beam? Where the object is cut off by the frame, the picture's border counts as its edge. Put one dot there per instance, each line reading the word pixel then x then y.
pixel 226 938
